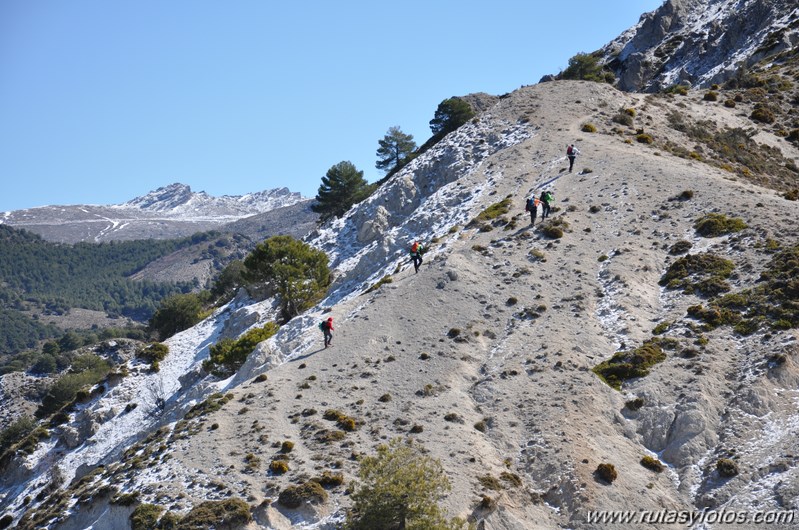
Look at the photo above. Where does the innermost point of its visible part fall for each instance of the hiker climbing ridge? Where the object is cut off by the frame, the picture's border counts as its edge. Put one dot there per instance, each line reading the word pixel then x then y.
pixel 417 250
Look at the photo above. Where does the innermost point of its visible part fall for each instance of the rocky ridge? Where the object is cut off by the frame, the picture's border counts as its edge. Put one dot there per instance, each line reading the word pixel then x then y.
pixel 701 42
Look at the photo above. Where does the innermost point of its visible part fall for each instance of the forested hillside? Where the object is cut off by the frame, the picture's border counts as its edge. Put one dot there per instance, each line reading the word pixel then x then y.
pixel 41 277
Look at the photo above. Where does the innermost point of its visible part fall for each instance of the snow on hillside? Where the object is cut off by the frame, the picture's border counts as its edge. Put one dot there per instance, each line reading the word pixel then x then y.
pixel 423 200
pixel 180 201
pixel 701 41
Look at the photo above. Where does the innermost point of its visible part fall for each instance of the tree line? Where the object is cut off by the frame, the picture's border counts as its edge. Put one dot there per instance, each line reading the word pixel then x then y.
pixel 38 276
pixel 344 185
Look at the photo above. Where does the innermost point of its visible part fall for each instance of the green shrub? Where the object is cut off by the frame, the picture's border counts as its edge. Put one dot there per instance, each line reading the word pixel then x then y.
pixel 278 467
pixel 661 328
pixel 588 128
pixel 554 228
pixel 287 446
pixel 126 499
pixel 644 138
pixel 703 274
pixel 711 96
pixel 296 271
pixel 630 364
pixel 652 463
pixel 145 517
pixel 726 467
pixel 86 370
pixel 453 417
pixel 169 521
pixel 717 224
pixel 383 281
pixel 681 90
pixel 229 355
pixel 176 313
pixel 773 300
pixel 400 487
pixel 228 513
pixel 634 404
pixel 253 462
pixel 730 103
pixel 606 472
pixel 16 431
pixel 153 353
pixel 512 479
pixel 493 212
pixel 680 247
pixel 295 496
pixel 763 115
pixel 623 118
pixel 329 479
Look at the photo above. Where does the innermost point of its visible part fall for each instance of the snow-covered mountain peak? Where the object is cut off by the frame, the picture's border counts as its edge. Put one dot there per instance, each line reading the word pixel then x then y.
pixel 178 199
pixel 164 198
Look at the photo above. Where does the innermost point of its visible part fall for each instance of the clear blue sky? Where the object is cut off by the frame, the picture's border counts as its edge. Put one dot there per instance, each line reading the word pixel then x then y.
pixel 102 101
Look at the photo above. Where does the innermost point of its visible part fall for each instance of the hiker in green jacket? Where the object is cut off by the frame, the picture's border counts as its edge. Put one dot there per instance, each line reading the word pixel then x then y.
pixel 416 255
pixel 546 199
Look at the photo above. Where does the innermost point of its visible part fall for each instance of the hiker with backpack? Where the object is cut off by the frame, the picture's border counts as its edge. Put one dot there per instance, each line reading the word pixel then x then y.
pixel 417 249
pixel 532 207
pixel 546 200
pixel 327 326
pixel 572 153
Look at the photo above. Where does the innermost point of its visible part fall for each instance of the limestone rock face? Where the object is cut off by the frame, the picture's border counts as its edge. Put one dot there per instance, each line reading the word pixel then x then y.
pixel 374 227
pixel 701 41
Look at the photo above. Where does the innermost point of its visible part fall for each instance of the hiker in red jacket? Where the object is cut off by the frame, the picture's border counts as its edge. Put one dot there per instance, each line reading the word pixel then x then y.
pixel 327 327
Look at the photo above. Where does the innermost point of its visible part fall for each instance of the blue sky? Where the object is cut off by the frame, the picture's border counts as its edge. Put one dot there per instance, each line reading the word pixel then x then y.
pixel 103 101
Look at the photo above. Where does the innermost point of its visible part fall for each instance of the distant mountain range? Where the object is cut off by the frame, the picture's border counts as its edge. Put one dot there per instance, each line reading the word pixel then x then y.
pixel 168 212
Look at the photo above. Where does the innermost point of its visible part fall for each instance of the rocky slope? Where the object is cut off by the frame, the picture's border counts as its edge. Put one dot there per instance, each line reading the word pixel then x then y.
pixel 486 355
pixel 169 212
pixel 702 42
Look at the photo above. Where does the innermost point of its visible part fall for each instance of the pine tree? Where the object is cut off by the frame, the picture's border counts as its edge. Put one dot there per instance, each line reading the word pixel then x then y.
pixel 450 114
pixel 341 187
pixel 296 271
pixel 400 488
pixel 396 149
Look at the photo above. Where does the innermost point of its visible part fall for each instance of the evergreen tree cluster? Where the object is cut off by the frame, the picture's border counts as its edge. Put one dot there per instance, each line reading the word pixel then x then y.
pixel 56 277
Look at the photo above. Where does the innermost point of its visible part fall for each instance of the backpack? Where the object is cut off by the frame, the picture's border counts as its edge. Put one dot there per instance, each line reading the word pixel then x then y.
pixel 569 150
pixel 548 197
pixel 323 325
pixel 530 204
